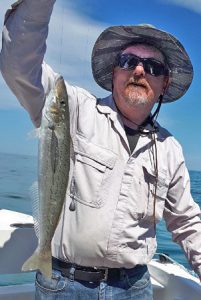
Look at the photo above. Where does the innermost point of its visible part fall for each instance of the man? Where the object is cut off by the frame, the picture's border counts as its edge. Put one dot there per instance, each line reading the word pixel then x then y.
pixel 127 171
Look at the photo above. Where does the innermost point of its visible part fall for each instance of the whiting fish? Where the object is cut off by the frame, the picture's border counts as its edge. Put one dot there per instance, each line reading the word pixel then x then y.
pixel 53 171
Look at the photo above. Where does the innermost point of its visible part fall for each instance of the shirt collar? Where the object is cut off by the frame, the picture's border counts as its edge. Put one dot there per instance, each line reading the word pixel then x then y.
pixel 107 106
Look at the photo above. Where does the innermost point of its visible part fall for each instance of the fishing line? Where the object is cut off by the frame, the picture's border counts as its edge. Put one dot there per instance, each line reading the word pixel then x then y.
pixel 61 36
pixel 84 75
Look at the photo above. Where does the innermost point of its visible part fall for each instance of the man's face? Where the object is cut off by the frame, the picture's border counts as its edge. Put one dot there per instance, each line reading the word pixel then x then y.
pixel 135 89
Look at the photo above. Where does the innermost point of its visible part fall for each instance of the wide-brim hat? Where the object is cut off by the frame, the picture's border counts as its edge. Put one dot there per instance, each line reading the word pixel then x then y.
pixel 116 38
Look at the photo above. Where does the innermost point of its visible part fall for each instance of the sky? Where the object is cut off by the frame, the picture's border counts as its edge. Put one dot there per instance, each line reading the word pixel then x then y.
pixel 74 27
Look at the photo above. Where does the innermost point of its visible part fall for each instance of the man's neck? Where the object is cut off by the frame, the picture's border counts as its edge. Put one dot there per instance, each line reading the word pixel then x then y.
pixel 131 124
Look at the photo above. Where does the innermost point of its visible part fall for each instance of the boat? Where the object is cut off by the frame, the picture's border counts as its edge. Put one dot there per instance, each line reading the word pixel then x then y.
pixel 170 280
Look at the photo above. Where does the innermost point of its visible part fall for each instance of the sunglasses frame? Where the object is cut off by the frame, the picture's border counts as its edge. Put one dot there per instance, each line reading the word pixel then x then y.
pixel 148 63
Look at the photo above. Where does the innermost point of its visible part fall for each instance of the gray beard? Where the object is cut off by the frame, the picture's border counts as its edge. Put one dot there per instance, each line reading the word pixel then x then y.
pixel 136 99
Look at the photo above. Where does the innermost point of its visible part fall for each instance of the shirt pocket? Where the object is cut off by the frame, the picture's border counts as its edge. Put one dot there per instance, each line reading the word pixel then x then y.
pixel 92 166
pixel 143 190
pixel 156 189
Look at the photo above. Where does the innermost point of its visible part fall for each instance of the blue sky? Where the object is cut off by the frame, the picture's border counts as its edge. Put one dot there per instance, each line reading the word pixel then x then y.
pixel 74 28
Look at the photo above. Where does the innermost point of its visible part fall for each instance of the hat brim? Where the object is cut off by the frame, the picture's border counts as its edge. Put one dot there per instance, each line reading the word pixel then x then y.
pixel 116 38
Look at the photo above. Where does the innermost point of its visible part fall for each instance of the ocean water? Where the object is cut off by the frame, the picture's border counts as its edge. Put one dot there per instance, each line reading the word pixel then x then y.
pixel 18 172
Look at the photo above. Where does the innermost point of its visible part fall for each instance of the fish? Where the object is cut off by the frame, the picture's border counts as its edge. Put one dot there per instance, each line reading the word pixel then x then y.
pixel 53 173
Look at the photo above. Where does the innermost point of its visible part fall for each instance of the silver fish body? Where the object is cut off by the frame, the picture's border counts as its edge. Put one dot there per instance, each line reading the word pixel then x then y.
pixel 53 165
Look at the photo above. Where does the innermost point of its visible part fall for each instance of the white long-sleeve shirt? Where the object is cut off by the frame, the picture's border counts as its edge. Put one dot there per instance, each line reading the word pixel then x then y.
pixel 113 224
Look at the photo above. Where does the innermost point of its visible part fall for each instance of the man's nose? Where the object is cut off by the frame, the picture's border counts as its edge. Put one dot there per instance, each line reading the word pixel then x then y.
pixel 139 70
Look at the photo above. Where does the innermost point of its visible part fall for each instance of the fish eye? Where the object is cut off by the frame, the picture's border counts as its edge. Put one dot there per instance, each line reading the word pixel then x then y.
pixel 62 102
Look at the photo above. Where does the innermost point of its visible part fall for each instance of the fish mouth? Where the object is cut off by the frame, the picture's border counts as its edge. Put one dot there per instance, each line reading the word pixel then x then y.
pixel 54 112
pixel 53 116
pixel 54 109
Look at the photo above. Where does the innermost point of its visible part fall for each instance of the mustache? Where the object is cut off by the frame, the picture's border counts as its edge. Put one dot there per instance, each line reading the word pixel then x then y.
pixel 139 82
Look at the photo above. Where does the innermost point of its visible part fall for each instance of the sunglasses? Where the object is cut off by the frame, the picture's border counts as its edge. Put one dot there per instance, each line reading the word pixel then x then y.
pixel 128 61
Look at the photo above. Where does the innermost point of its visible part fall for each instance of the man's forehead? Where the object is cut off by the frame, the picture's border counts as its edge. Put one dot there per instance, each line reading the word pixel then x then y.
pixel 144 51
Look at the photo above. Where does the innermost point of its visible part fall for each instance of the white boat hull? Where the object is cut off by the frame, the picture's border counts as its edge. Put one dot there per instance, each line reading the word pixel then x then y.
pixel 18 292
pixel 170 280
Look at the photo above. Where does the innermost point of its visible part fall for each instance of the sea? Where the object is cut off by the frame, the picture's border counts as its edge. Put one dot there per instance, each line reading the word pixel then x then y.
pixel 18 172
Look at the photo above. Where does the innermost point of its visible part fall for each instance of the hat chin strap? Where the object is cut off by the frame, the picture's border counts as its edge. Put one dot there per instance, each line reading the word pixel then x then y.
pixel 151 120
pixel 155 114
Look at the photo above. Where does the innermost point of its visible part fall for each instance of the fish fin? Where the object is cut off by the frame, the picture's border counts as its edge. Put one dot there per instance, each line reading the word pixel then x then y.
pixel 39 261
pixel 34 194
pixel 34 134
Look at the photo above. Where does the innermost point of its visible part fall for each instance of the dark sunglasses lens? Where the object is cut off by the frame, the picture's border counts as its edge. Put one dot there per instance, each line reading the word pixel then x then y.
pixel 127 61
pixel 154 68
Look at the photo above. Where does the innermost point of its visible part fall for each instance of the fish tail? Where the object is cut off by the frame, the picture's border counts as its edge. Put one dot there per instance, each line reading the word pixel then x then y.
pixel 39 261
